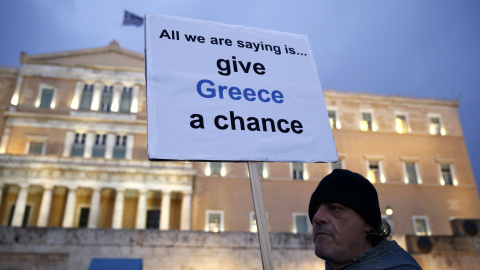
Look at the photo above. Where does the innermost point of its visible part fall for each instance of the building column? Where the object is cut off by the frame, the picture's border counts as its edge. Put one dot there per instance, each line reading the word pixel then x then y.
pixel 20 205
pixel 134 105
pixel 186 211
pixel 117 93
pixel 118 209
pixel 45 206
pixel 4 142
pixel 110 144
pixel 89 142
pixel 141 209
pixel 69 213
pixel 77 95
pixel 97 95
pixel 67 146
pixel 165 212
pixel 129 150
pixel 94 208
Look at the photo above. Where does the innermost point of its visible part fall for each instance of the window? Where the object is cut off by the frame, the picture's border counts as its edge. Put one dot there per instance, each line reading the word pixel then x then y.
pixel 36 144
pixel 78 145
pixel 411 175
pixel 401 124
pixel 332 117
pixel 366 123
pixel 253 222
pixel 83 220
pixel 373 171
pixel 420 225
pixel 446 175
pixel 436 126
pixel 215 168
pixel 99 147
pixel 126 100
pixel 262 169
pixel 300 223
pixel 336 165
pixel 46 98
pixel 153 219
pixel 214 221
pixel 87 97
pixel 106 99
pixel 120 146
pixel 36 148
pixel 297 170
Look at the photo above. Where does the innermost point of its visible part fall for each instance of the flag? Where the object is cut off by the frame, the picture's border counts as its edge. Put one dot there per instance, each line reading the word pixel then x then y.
pixel 132 19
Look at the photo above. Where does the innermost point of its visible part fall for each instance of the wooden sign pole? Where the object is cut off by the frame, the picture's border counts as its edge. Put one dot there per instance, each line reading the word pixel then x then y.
pixel 261 217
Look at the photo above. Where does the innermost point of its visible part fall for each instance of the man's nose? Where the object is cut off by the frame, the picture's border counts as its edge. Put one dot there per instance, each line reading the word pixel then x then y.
pixel 320 215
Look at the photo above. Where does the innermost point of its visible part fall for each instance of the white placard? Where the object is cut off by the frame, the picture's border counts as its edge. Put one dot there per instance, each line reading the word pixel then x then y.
pixel 218 92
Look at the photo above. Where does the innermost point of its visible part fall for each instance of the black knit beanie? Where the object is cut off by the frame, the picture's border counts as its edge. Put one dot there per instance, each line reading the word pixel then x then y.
pixel 350 189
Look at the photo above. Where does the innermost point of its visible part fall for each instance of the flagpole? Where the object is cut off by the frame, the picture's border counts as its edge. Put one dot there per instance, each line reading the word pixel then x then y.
pixel 119 32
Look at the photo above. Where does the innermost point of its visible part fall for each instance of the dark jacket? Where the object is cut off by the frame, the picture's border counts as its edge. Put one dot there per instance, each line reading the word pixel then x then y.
pixel 386 255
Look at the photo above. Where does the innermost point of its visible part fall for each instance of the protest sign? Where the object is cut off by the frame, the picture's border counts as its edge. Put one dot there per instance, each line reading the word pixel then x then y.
pixel 232 93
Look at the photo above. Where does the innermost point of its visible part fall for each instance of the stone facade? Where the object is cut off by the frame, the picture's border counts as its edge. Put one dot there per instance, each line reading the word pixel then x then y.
pixel 58 248
pixel 74 249
pixel 458 251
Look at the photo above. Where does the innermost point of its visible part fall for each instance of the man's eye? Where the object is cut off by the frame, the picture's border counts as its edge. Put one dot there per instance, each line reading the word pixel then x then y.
pixel 334 208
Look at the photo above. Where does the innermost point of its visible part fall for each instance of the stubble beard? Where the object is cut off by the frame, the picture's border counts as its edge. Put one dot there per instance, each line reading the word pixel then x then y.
pixel 328 248
pixel 328 254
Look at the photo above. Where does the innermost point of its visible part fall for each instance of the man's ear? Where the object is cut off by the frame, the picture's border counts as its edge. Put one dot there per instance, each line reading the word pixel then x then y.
pixel 368 228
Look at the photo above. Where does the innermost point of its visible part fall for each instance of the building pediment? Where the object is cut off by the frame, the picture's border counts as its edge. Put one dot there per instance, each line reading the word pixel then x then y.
pixel 111 56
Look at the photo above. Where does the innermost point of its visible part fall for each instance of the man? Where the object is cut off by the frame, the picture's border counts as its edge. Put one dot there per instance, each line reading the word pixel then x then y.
pixel 347 226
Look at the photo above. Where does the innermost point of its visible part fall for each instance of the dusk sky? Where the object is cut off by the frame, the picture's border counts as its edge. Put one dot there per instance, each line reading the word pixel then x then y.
pixel 412 48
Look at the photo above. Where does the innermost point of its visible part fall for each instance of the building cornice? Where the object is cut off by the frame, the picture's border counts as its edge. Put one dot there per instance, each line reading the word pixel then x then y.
pixel 394 133
pixel 79 72
pixel 94 172
pixel 92 67
pixel 72 118
pixel 375 98
pixel 113 47
pixel 9 72
pixel 93 164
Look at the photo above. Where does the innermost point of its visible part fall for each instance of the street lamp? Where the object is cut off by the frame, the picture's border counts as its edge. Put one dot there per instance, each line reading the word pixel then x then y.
pixel 389 220
pixel 389 211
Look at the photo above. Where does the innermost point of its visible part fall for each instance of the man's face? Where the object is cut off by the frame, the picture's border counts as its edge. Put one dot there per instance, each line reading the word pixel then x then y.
pixel 339 233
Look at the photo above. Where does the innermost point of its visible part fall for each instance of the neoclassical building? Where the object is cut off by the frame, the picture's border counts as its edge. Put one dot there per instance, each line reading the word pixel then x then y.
pixel 73 146
pixel 73 154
